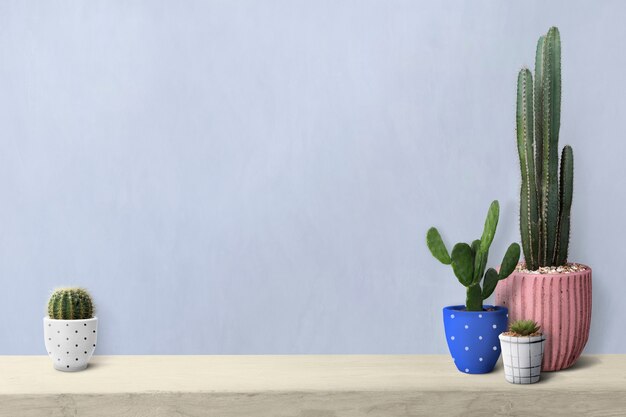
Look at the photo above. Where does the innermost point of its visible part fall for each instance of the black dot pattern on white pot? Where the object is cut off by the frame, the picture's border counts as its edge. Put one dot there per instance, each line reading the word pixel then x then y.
pixel 70 343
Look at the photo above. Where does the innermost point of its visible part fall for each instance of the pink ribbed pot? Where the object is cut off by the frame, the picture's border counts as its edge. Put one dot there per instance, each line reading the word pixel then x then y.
pixel 560 303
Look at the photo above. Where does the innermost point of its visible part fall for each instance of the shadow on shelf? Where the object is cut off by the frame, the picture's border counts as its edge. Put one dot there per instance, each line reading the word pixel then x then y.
pixel 583 362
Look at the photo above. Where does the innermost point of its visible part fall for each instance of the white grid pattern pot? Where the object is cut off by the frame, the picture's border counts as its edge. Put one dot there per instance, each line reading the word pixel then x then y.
pixel 522 356
pixel 70 343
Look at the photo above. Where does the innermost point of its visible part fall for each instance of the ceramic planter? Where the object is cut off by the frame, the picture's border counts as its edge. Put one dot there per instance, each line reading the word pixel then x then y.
pixel 560 303
pixel 522 357
pixel 472 337
pixel 70 343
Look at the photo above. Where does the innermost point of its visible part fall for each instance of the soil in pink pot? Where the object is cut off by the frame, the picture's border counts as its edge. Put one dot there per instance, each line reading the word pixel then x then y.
pixel 559 302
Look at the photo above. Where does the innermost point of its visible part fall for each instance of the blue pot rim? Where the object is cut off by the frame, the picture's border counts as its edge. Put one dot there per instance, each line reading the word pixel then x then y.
pixel 460 309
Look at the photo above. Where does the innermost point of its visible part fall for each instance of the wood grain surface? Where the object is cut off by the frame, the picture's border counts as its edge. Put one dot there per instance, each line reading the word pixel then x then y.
pixel 303 386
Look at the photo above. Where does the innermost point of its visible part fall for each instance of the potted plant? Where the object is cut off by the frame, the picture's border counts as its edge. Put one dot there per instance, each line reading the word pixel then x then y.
pixel 472 329
pixel 70 330
pixel 522 352
pixel 554 291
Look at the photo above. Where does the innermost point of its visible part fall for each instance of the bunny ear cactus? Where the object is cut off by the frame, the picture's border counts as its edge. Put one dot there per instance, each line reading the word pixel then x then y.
pixel 70 304
pixel 546 195
pixel 469 261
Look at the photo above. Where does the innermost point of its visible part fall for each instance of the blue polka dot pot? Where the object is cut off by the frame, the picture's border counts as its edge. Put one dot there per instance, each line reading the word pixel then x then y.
pixel 472 336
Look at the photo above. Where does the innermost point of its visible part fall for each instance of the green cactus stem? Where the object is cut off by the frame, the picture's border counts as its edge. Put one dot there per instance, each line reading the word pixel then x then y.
pixel 70 304
pixel 474 299
pixel 490 283
pixel 545 196
pixel 551 123
pixel 489 231
pixel 538 109
pixel 437 247
pixel 529 205
pixel 510 260
pixel 463 263
pixel 469 261
pixel 566 191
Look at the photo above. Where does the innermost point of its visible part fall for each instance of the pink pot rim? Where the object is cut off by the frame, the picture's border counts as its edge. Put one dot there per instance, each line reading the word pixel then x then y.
pixel 588 270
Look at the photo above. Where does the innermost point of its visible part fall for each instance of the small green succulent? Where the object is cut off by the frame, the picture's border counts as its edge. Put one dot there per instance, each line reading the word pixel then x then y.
pixel 524 327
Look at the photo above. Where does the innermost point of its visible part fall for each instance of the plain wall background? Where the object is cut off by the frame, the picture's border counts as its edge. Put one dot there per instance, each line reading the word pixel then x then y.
pixel 258 176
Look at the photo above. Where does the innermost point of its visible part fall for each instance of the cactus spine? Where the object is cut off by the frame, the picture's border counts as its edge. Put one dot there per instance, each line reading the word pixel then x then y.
pixel 546 196
pixel 469 261
pixel 70 304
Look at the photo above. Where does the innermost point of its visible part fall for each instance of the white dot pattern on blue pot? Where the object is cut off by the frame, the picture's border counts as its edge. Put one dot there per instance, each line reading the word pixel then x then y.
pixel 473 337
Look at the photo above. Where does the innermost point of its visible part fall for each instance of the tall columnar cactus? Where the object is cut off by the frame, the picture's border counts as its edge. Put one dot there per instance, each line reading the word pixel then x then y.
pixel 70 304
pixel 545 201
pixel 469 261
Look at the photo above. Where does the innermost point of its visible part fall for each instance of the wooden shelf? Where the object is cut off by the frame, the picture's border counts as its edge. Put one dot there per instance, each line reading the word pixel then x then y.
pixel 306 386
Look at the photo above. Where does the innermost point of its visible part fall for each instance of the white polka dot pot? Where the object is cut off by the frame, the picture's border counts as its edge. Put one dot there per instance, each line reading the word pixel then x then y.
pixel 70 343
pixel 522 357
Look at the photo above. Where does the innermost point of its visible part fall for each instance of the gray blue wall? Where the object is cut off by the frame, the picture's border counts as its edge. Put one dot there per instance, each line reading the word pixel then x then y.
pixel 258 176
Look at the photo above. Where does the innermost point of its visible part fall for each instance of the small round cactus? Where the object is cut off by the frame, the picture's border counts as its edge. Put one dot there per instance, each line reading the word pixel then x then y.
pixel 524 327
pixel 70 304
